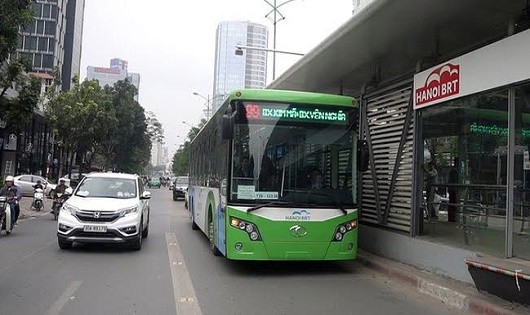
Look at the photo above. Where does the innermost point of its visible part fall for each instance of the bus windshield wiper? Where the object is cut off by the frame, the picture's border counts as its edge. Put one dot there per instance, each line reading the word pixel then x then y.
pixel 336 202
pixel 268 204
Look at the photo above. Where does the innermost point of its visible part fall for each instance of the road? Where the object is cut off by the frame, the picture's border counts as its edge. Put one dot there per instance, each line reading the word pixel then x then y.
pixel 175 273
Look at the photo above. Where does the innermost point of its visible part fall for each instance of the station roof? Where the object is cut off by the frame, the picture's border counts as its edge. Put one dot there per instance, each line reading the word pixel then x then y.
pixel 394 36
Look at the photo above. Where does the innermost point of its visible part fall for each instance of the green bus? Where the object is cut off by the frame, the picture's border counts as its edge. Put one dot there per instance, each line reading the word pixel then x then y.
pixel 273 176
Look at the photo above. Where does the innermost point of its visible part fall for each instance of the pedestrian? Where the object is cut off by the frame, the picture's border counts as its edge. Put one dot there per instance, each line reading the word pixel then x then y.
pixel 14 195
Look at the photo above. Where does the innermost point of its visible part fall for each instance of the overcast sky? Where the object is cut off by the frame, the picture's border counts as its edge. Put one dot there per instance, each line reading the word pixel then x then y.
pixel 171 44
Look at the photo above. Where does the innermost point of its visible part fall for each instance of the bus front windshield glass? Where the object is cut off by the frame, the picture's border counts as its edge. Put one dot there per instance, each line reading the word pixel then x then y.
pixel 293 160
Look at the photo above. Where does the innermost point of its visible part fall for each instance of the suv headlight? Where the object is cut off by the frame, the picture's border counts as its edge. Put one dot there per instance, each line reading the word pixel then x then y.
pixel 69 208
pixel 127 211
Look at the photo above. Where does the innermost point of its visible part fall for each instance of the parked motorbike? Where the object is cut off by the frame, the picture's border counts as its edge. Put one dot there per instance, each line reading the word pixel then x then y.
pixel 38 199
pixel 5 216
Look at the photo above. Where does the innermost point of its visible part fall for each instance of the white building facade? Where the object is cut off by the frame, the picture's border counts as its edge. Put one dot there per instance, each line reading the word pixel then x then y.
pixel 117 72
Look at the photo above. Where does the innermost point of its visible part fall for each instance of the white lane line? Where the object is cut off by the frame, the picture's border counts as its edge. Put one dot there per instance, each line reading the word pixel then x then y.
pixel 184 294
pixel 64 298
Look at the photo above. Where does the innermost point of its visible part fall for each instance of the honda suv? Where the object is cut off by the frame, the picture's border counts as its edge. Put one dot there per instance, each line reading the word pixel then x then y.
pixel 105 208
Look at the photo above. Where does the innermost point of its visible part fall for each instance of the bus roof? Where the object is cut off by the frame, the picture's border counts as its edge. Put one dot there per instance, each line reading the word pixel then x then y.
pixel 292 97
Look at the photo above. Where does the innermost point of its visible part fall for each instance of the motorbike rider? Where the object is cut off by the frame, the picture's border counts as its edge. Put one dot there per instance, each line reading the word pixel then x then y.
pixel 37 186
pixel 13 194
pixel 59 189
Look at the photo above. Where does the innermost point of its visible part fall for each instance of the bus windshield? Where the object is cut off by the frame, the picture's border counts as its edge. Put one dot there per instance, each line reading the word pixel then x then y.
pixel 309 163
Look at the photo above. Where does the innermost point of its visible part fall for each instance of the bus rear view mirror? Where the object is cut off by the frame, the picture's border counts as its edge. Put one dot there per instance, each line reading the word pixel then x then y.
pixel 363 157
pixel 227 124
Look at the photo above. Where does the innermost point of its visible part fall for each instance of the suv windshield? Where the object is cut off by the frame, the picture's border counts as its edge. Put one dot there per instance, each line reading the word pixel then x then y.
pixel 99 187
pixel 303 162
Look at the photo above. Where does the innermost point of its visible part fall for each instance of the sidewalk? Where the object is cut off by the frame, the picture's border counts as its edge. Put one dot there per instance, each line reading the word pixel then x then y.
pixel 27 212
pixel 462 296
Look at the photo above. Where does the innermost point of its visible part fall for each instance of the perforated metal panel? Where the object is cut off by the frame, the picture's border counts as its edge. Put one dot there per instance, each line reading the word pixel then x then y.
pixel 386 187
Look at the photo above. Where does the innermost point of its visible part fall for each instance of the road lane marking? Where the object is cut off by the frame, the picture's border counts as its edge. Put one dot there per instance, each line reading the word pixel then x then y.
pixel 64 298
pixel 184 294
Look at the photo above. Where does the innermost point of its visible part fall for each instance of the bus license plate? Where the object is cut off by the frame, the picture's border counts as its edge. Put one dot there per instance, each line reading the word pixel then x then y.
pixel 95 228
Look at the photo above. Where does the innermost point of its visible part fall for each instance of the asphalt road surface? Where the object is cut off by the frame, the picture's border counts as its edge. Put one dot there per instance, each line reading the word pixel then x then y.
pixel 175 273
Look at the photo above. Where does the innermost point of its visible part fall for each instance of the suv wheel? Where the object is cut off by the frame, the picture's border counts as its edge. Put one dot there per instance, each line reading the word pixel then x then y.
pixel 145 232
pixel 137 243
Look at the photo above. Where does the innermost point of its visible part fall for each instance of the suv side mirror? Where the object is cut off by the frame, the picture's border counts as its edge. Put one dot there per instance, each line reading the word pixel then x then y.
pixel 146 195
pixel 363 156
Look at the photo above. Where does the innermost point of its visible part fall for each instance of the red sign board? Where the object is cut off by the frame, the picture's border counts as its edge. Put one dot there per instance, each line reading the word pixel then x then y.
pixel 441 83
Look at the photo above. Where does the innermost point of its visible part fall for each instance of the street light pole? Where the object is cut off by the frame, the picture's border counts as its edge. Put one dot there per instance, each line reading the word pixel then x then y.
pixel 274 22
pixel 207 99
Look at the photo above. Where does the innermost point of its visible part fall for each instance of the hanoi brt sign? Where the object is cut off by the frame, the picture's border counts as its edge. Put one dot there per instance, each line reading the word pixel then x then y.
pixel 499 64
pixel 441 83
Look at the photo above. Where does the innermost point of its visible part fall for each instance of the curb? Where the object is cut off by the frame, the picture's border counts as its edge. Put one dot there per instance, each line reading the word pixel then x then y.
pixel 450 296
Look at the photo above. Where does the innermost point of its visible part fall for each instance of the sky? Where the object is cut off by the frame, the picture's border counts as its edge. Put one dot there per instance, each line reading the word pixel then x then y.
pixel 171 43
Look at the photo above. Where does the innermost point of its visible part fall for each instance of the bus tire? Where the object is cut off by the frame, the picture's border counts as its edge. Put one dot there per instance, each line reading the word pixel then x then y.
pixel 194 225
pixel 211 234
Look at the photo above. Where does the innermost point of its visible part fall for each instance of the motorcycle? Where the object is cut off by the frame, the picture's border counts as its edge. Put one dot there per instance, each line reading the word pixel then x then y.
pixel 38 199
pixel 5 215
pixel 58 202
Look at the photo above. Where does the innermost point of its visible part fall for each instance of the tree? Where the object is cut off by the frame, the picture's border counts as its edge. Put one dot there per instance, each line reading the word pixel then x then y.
pixel 154 128
pixel 19 92
pixel 127 145
pixel 81 118
pixel 13 13
pixel 181 157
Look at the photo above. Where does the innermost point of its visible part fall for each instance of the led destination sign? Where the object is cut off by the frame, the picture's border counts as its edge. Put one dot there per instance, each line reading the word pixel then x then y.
pixel 295 113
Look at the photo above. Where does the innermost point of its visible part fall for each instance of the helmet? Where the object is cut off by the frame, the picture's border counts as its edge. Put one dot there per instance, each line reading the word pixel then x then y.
pixel 10 179
pixel 38 181
pixel 61 180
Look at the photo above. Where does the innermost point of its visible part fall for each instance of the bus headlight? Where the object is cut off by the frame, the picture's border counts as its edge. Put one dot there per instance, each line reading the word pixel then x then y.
pixel 249 228
pixel 254 236
pixel 342 229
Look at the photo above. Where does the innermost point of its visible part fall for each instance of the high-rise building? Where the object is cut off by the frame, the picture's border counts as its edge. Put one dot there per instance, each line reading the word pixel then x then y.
pixel 42 42
pixel 232 71
pixel 72 42
pixel 118 71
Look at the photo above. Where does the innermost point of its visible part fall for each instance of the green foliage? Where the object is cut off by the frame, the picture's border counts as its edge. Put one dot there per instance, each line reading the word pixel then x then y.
pixel 13 13
pixel 181 157
pixel 108 122
pixel 81 117
pixel 19 94
pixel 127 145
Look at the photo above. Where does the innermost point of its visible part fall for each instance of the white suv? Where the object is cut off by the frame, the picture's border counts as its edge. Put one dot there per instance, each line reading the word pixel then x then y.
pixel 105 208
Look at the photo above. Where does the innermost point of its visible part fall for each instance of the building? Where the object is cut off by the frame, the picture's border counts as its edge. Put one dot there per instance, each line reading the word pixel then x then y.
pixel 73 42
pixel 43 41
pixel 51 42
pixel 158 154
pixel 118 71
pixel 451 87
pixel 232 71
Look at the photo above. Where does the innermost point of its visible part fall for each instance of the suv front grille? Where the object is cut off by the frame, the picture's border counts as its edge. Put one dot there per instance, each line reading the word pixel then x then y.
pixel 91 216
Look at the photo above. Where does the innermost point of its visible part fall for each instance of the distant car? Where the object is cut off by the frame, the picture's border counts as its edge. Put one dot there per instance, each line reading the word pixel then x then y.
pixel 154 182
pixel 26 183
pixel 105 208
pixel 180 187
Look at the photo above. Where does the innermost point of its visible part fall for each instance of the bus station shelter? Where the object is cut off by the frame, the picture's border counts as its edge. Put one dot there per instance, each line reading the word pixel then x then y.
pixel 444 88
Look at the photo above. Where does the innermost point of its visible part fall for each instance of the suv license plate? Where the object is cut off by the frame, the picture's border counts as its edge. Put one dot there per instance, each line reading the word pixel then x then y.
pixel 95 228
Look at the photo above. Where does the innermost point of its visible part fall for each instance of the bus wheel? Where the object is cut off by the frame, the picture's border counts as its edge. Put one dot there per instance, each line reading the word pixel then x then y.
pixel 194 225
pixel 211 234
